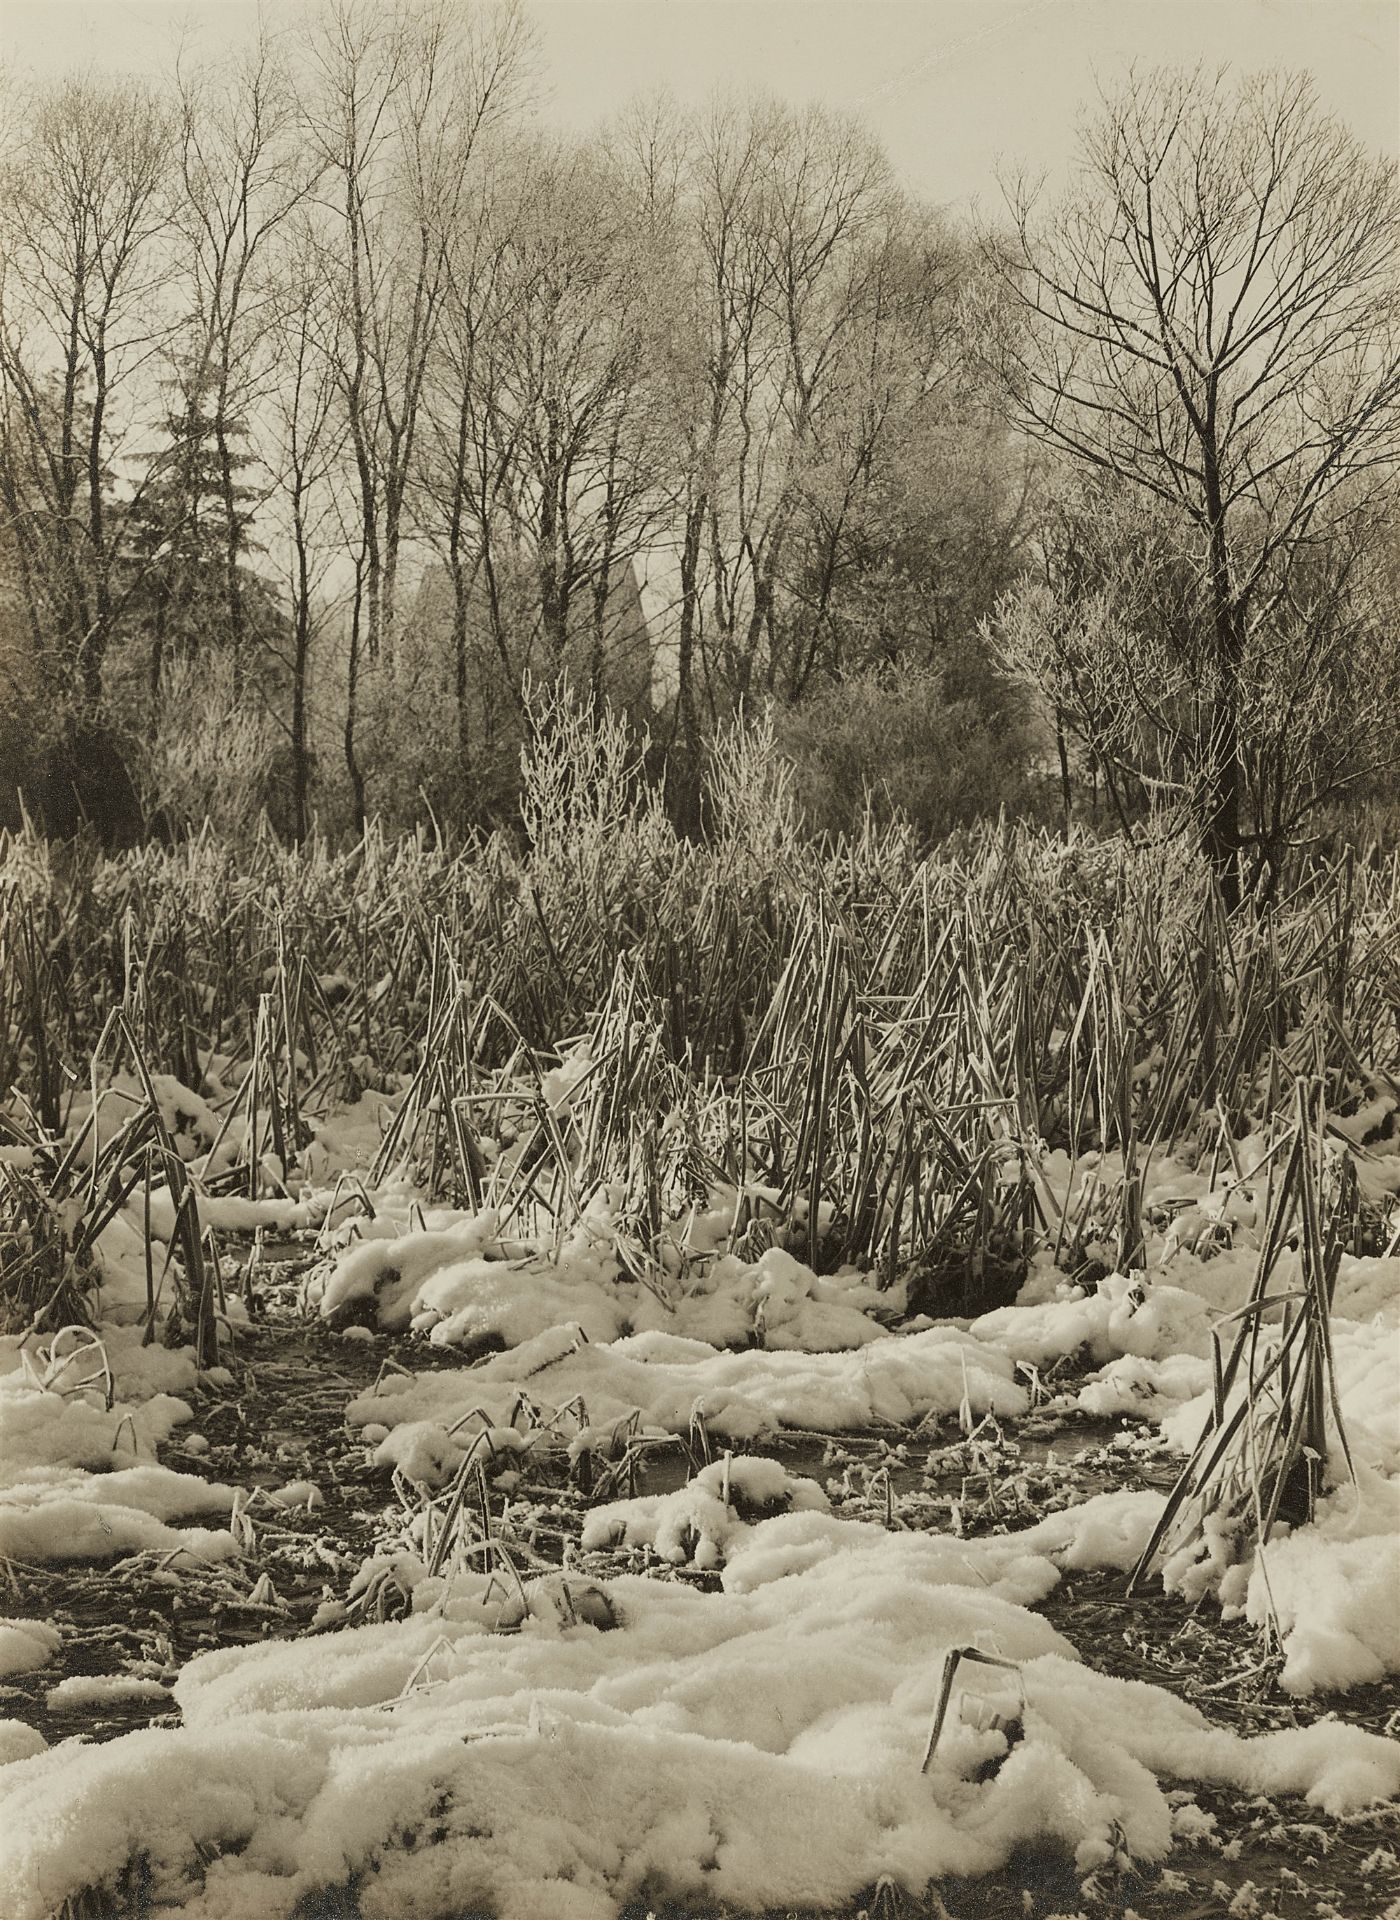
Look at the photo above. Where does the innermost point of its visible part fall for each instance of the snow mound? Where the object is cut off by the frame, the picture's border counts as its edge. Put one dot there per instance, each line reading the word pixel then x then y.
pixel 699 1522
pixel 669 1379
pixel 455 1278
pixel 18 1741
pixel 1331 1589
pixel 762 1747
pixel 102 1689
pixel 79 1480
pixel 26 1645
pixel 1124 1315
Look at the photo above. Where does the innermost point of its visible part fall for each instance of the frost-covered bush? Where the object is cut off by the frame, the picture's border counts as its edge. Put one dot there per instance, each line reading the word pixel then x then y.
pixel 913 742
pixel 213 751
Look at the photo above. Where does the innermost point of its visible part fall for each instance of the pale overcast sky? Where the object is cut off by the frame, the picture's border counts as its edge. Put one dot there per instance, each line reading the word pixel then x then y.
pixel 951 86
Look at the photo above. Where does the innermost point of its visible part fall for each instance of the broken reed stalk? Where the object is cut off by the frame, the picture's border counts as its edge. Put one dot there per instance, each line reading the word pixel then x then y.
pixel 1262 1454
pixel 952 1660
pixel 201 1282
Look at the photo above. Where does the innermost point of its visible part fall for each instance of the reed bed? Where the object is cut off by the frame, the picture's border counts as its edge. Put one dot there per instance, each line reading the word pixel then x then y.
pixel 875 1045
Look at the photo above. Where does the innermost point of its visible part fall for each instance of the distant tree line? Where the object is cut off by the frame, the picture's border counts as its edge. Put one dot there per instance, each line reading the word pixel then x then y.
pixel 340 405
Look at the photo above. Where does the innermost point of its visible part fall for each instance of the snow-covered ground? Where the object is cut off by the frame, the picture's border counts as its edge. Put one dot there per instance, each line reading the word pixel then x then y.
pixel 555 1745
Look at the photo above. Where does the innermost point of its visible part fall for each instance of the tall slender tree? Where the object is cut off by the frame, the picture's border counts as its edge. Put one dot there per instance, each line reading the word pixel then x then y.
pixel 85 212
pixel 243 174
pixel 401 101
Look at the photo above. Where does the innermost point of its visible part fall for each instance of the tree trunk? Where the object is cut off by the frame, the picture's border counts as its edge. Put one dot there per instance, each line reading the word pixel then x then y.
pixel 389 575
pixel 352 688
pixel 553 613
pixel 461 597
pixel 597 662
pixel 685 769
pixel 233 584
pixel 301 771
pixel 158 649
pixel 1222 837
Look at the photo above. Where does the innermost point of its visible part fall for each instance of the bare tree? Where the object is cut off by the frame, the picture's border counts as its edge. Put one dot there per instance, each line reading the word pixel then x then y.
pixel 243 173
pixel 804 319
pixel 893 416
pixel 790 219
pixel 698 188
pixel 402 99
pixel 85 206
pixel 1210 316
pixel 829 213
pixel 465 457
pixel 543 465
pixel 309 434
pixel 571 312
pixel 759 208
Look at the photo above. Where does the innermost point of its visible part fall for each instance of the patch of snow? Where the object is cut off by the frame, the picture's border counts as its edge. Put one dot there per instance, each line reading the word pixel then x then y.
pixel 26 1645
pixel 19 1741
pixel 101 1690
pixel 670 1379
pixel 761 1747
